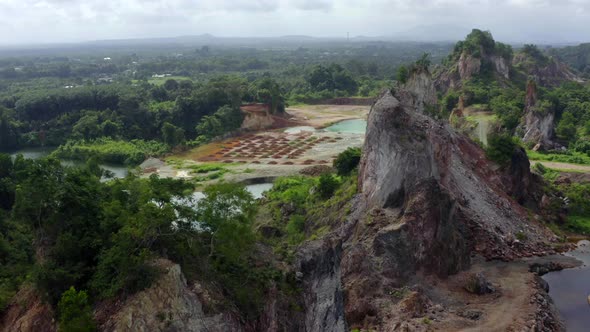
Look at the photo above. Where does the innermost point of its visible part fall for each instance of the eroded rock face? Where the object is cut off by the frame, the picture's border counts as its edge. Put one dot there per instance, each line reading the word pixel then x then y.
pixel 28 313
pixel 469 66
pixel 323 296
pixel 405 150
pixel 429 200
pixel 168 305
pixel 538 125
pixel 421 88
pixel 501 65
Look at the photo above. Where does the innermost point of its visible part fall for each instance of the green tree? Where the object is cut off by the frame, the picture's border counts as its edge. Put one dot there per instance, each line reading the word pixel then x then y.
pixel 327 185
pixel 87 127
pixel 171 85
pixel 268 91
pixel 423 63
pixel 227 212
pixel 501 148
pixel 347 161
pixel 403 74
pixel 566 130
pixel 8 132
pixel 172 135
pixel 75 312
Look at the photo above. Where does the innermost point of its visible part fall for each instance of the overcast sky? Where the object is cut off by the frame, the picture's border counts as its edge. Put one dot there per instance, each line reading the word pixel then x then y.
pixel 44 21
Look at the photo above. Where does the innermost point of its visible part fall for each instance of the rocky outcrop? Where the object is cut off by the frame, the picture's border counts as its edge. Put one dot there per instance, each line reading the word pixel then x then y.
pixel 429 201
pixel 254 121
pixel 501 65
pixel 28 313
pixel 406 151
pixel 168 305
pixel 319 266
pixel 538 126
pixel 468 67
pixel 421 89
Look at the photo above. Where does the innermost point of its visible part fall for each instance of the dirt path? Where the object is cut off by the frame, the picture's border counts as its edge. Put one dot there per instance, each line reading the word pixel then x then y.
pixel 563 166
pixel 510 308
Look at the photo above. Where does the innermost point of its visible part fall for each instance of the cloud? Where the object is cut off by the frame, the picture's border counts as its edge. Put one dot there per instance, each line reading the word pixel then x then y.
pixel 73 20
pixel 324 5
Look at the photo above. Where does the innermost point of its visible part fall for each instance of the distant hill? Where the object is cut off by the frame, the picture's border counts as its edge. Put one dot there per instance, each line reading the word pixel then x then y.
pixel 578 57
pixel 480 57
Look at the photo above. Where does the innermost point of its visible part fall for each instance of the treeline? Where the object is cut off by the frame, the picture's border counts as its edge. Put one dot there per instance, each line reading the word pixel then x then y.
pixel 175 113
pixel 178 112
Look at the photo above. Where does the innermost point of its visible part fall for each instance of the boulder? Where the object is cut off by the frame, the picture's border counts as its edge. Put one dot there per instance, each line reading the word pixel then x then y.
pixel 477 283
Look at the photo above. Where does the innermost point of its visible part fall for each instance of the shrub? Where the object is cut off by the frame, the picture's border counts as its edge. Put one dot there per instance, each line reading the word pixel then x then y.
pixel 500 148
pixel 583 146
pixel 347 161
pixel 295 229
pixel 327 186
pixel 402 74
pixel 75 313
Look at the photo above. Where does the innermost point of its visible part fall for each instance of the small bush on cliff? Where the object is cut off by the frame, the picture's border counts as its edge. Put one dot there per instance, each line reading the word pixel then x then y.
pixel 500 148
pixel 403 74
pixel 75 313
pixel 295 229
pixel 347 161
pixel 327 186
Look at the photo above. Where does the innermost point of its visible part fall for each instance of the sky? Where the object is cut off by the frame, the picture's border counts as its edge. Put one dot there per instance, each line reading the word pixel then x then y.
pixel 51 21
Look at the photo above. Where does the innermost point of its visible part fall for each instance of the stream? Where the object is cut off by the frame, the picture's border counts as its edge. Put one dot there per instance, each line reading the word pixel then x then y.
pixel 570 288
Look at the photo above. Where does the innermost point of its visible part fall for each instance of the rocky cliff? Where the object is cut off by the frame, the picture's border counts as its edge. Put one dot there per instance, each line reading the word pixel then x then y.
pixel 538 125
pixel 429 204
pixel 468 67
pixel 406 151
pixel 168 305
pixel 421 89
pixel 28 313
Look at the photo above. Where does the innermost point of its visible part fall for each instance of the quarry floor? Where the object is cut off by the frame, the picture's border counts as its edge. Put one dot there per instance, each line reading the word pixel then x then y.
pixel 268 154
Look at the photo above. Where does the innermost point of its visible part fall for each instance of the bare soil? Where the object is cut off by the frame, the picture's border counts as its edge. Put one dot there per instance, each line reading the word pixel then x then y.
pixel 320 116
pixel 274 153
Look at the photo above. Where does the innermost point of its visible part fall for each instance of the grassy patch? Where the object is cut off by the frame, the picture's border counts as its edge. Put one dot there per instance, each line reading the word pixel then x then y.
pixel 206 168
pixel 579 224
pixel 570 157
pixel 299 211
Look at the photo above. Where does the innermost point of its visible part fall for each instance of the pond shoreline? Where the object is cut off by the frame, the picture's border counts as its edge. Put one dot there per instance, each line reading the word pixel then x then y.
pixel 569 289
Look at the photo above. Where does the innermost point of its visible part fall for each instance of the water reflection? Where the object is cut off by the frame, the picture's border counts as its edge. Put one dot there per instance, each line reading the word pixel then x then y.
pixel 357 126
